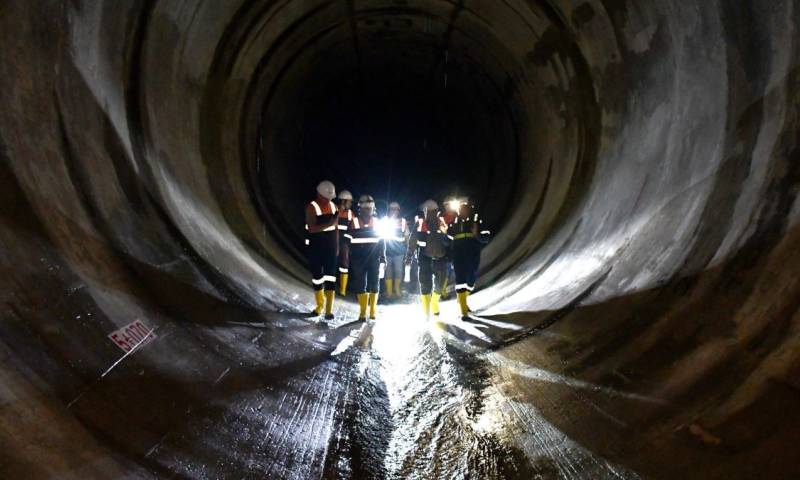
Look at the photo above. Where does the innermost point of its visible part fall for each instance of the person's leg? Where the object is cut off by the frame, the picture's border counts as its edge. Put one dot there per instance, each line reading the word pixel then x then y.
pixel 388 279
pixel 317 278
pixel 461 267
pixel 389 290
pixel 330 267
pixel 398 273
pixel 440 271
pixel 372 285
pixel 443 290
pixel 425 282
pixel 475 263
pixel 359 285
pixel 344 276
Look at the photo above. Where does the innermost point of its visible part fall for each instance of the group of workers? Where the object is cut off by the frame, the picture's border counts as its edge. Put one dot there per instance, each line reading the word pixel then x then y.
pixel 358 248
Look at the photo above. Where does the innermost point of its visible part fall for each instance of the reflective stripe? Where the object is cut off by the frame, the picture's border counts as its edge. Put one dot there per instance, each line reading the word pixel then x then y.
pixel 485 232
pixel 348 236
pixel 342 270
pixel 308 242
pixel 476 217
pixel 450 237
pixel 349 214
pixel 365 240
pixel 470 287
pixel 355 223
pixel 422 244
pixel 319 281
pixel 306 226
pixel 328 278
pixel 462 285
pixel 330 229
pixel 318 209
pixel 342 227
pixel 460 236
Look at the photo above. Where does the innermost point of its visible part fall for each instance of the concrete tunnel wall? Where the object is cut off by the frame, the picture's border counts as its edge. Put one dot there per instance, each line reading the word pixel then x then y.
pixel 647 155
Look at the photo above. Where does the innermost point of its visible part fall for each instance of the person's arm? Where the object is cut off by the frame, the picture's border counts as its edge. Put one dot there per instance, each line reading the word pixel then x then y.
pixel 345 252
pixel 346 246
pixel 410 251
pixel 311 221
pixel 442 226
pixel 337 242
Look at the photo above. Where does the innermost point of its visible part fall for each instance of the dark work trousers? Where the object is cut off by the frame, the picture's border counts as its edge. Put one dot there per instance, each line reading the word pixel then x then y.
pixel 432 273
pixel 322 261
pixel 466 260
pixel 394 267
pixel 364 272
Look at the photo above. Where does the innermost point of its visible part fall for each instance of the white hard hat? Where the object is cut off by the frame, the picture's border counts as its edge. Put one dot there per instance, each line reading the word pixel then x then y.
pixel 326 190
pixel 394 205
pixel 429 204
pixel 345 195
pixel 366 201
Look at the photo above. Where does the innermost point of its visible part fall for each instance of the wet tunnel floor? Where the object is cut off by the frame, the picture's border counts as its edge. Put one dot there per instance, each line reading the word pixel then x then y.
pixel 400 397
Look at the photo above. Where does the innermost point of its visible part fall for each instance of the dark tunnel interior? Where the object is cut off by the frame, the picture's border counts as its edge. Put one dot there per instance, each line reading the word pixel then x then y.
pixel 637 313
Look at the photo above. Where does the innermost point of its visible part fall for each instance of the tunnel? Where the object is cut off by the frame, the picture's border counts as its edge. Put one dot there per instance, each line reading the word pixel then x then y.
pixel 637 313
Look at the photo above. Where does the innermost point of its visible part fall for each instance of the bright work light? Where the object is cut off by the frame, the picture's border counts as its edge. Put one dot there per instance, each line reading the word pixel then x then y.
pixel 385 227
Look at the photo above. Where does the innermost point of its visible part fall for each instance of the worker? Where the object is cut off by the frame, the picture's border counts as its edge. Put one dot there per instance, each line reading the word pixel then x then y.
pixel 449 215
pixel 345 202
pixel 430 244
pixel 323 247
pixel 464 231
pixel 365 251
pixel 395 233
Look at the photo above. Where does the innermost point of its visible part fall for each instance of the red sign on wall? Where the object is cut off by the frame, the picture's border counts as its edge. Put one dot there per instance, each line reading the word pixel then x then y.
pixel 133 335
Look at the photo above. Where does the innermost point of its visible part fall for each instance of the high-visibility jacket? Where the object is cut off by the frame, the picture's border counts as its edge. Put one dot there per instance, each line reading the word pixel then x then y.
pixel 462 228
pixel 323 211
pixel 345 216
pixel 419 239
pixel 364 239
pixel 396 243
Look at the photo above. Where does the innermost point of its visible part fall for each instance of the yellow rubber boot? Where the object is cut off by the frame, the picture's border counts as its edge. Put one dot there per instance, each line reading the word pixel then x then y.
pixel 435 303
pixel 389 288
pixel 373 304
pixel 462 302
pixel 363 298
pixel 343 277
pixel 397 283
pixel 329 296
pixel 319 297
pixel 426 304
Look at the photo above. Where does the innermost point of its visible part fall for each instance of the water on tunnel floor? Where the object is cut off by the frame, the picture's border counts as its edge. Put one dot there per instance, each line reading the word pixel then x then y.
pixel 423 404
pixel 637 313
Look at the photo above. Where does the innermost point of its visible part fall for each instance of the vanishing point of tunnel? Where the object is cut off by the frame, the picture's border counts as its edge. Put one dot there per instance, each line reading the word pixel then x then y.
pixel 637 313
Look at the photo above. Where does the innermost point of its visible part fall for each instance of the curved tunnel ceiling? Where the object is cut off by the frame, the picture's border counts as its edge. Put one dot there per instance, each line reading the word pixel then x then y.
pixel 639 164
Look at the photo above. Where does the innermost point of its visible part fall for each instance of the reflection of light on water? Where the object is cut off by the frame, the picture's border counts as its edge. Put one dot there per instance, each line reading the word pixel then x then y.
pixel 396 342
pixel 433 426
pixel 538 374
pixel 452 418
